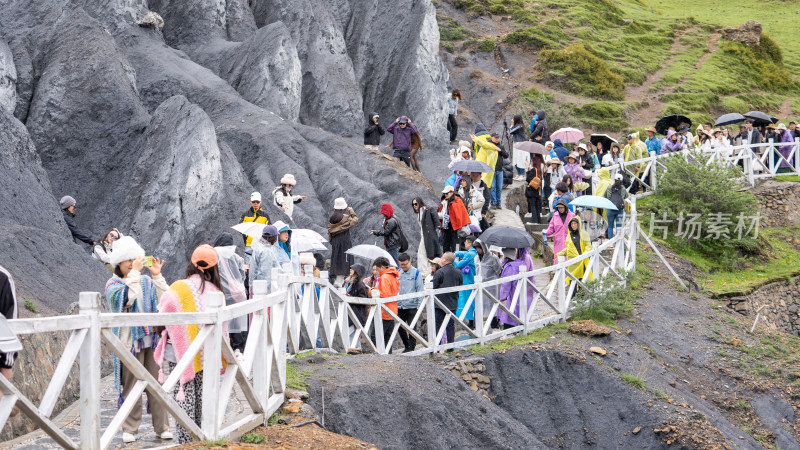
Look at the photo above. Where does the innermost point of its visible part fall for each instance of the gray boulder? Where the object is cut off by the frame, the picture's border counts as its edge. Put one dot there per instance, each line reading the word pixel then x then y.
pixel 8 78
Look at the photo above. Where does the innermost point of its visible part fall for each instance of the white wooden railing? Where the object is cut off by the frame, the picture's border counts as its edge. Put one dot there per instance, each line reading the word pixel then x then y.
pixel 293 318
pixel 261 377
pixel 330 316
pixel 755 161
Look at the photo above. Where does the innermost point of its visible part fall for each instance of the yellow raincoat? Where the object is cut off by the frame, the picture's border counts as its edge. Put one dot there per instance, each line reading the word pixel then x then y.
pixel 602 186
pixel 486 153
pixel 571 252
pixel 635 151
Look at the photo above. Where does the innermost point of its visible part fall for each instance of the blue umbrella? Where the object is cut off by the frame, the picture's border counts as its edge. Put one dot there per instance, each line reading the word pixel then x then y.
pixel 593 201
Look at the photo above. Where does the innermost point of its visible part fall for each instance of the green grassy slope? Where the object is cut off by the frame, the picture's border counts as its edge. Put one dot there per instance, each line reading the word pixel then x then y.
pixel 601 50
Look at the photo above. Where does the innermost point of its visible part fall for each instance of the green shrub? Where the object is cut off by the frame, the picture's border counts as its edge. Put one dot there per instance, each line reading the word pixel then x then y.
pixel 448 47
pixel 29 305
pixel 451 30
pixel 581 72
pixel 538 37
pixel 602 115
pixel 633 380
pixel 709 193
pixel 769 48
pixel 604 302
pixel 486 45
pixel 253 438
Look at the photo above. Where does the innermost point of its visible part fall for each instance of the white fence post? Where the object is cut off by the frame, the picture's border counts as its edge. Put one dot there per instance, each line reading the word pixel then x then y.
pixel 324 303
pixel 212 365
pixel 377 322
pixel 89 304
pixel 431 313
pixel 653 173
pixel 262 354
pixel 523 302
pixel 478 310
pixel 561 288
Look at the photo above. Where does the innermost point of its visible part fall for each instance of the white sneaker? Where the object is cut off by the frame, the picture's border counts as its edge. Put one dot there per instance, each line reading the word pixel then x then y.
pixel 238 355
pixel 166 435
pixel 128 438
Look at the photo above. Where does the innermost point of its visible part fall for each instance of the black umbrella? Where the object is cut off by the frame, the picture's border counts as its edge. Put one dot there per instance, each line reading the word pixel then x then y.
pixel 674 121
pixel 605 139
pixel 728 119
pixel 507 237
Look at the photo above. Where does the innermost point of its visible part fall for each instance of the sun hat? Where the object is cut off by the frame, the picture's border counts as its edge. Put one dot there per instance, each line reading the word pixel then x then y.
pixel 307 258
pixel 288 179
pixel 447 189
pixel 781 126
pixel 652 130
pixel 339 203
pixel 124 249
pixel 66 201
pixel 555 161
pixel 204 257
pixel 771 126
pixel 582 146
pixel 436 260
pixel 550 143
pixel 573 155
pixel 255 197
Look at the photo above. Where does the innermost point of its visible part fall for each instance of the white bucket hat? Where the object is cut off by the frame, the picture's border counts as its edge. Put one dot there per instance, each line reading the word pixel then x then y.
pixel 339 203
pixel 288 179
pixel 124 249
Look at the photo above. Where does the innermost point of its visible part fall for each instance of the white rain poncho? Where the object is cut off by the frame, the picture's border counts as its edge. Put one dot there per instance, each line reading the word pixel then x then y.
pixel 231 274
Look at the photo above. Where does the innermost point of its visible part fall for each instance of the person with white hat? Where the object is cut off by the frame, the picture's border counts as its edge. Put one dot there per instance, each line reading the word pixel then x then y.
pixel 131 291
pixel 253 214
pixel 553 174
pixel 283 195
pixel 339 224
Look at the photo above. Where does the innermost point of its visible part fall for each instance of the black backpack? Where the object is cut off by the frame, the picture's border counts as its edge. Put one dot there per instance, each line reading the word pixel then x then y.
pixel 616 198
pixel 403 240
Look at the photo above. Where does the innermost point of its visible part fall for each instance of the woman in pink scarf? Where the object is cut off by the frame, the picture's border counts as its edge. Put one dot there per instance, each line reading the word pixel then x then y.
pixel 188 295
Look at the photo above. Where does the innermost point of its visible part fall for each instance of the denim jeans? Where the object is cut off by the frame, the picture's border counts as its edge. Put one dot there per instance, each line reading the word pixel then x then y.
pixel 613 217
pixel 395 252
pixel 497 188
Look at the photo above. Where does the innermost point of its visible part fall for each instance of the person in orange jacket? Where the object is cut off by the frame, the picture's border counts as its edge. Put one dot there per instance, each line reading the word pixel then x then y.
pixel 454 216
pixel 389 286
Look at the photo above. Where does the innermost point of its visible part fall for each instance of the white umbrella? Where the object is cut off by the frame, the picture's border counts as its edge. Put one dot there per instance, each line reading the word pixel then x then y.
pixel 371 253
pixel 252 229
pixel 305 240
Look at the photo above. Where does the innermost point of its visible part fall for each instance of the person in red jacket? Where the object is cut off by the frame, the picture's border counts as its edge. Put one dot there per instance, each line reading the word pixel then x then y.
pixel 454 216
pixel 389 286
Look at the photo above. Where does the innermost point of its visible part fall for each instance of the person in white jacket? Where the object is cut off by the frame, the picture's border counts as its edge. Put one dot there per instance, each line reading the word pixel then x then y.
pixel 102 249
pixel 283 195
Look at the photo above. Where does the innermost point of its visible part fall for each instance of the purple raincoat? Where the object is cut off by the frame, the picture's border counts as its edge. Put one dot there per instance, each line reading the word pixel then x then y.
pixel 575 171
pixel 786 150
pixel 507 289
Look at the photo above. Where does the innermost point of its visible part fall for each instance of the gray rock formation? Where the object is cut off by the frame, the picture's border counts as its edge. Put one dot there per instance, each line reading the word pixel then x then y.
pixel 168 150
pixel 8 78
pixel 748 33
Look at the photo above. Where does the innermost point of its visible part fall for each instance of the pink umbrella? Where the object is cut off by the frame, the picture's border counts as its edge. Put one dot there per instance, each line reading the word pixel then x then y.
pixel 567 135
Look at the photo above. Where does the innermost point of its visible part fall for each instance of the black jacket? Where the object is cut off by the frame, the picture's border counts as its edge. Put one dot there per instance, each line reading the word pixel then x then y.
pixel 448 276
pixel 373 132
pixel 501 154
pixel 8 308
pixel 540 133
pixel 517 133
pixel 587 168
pixel 390 233
pixel 530 175
pixel 430 223
pixel 77 233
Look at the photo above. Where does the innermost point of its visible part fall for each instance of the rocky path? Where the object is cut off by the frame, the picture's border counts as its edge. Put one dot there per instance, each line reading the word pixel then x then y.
pixel 69 421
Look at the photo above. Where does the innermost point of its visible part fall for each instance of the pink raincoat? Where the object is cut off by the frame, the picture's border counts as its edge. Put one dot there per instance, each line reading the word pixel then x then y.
pixel 558 230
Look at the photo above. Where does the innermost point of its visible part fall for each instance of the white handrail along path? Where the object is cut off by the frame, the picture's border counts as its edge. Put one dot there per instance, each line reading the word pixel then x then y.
pixel 294 317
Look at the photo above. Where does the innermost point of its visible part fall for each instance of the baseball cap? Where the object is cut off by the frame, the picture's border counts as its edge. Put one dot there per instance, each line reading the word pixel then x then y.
pixel 255 197
pixel 204 257
pixel 447 189
pixel 269 230
pixel 618 176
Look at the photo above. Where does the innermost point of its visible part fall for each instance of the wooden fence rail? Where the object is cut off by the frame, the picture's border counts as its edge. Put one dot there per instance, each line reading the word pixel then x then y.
pixel 293 317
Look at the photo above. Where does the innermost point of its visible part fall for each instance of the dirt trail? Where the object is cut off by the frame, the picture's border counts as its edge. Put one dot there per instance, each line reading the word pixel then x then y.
pixel 713 41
